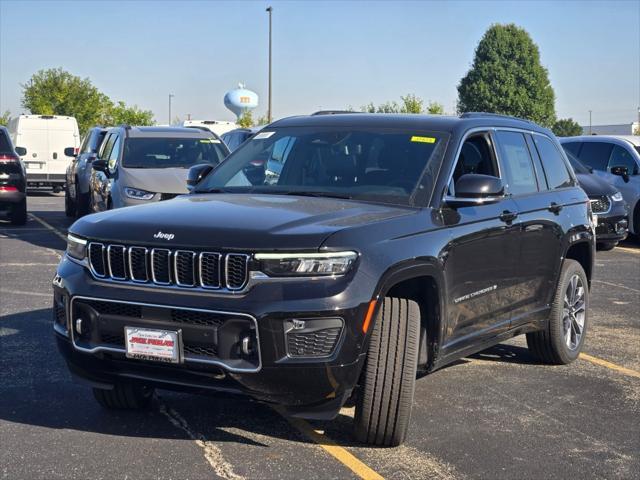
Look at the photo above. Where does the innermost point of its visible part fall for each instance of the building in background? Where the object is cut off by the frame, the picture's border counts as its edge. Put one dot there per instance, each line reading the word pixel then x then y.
pixel 615 129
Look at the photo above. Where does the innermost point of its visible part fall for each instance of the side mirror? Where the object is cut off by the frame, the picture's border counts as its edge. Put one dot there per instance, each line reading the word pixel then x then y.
pixel 621 171
pixel 70 152
pixel 474 188
pixel 21 151
pixel 197 173
pixel 100 166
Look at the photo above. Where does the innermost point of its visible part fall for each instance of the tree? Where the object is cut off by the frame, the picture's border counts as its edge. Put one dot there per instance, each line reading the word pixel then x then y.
pixel 58 92
pixel 566 127
pixel 246 119
pixel 263 120
pixel 410 103
pixel 435 108
pixel 506 77
pixel 5 117
pixel 637 130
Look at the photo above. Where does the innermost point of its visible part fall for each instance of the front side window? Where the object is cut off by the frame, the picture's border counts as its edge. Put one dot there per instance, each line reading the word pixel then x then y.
pixel 163 152
pixel 382 165
pixel 516 160
pixel 555 169
pixel 620 157
pixel 596 154
pixel 113 155
pixel 105 150
pixel 95 140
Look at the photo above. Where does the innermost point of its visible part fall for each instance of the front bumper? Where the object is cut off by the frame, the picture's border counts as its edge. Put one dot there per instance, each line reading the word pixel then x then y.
pixel 613 226
pixel 310 387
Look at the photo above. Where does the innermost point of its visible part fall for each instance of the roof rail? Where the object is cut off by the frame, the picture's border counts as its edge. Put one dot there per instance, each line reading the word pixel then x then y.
pixel 487 114
pixel 332 112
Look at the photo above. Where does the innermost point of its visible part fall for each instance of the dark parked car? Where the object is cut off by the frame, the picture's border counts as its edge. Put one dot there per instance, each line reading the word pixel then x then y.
pixel 385 245
pixel 234 138
pixel 78 176
pixel 607 205
pixel 13 180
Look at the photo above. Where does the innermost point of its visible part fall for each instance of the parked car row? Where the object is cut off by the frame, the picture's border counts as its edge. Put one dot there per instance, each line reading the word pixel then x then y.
pixel 324 262
pixel 13 180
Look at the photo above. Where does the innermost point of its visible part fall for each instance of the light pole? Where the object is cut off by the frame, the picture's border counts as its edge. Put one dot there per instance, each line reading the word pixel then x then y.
pixel 590 130
pixel 269 113
pixel 170 97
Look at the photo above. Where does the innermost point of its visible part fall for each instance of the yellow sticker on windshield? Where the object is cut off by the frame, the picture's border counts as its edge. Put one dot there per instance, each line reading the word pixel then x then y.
pixel 423 139
pixel 205 140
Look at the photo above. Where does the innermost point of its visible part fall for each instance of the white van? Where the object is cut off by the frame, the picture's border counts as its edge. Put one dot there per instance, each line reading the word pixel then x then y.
pixel 45 137
pixel 216 126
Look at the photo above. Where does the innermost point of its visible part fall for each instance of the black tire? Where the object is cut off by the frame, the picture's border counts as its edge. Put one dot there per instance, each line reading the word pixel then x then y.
pixel 606 246
pixel 82 203
pixel 69 203
pixel 550 345
pixel 383 405
pixel 124 396
pixel 18 213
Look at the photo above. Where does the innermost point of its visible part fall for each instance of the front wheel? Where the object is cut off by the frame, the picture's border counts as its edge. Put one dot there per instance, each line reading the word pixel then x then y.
pixel 562 339
pixel 383 404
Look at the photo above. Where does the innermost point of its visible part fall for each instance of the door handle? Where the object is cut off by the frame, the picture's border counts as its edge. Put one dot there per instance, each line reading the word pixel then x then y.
pixel 555 208
pixel 508 216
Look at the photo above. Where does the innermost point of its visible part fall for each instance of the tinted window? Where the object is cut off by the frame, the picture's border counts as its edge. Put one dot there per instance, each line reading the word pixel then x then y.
pixel 115 151
pixel 96 140
pixel 577 166
pixel 516 160
pixel 5 143
pixel 476 156
pixel 378 165
pixel 620 157
pixel 85 143
pixel 554 167
pixel 171 152
pixel 572 147
pixel 107 146
pixel 595 154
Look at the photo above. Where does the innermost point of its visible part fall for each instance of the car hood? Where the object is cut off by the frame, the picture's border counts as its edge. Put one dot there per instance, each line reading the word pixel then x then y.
pixel 594 186
pixel 157 180
pixel 234 221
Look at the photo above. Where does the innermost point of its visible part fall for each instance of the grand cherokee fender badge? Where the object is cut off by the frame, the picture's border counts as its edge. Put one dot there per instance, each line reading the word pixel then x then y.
pixel 165 236
pixel 475 294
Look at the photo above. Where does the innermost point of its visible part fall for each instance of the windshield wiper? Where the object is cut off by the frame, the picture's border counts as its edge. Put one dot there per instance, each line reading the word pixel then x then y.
pixel 320 194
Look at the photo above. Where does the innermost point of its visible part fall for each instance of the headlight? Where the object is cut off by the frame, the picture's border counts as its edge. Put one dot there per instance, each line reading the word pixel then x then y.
pixel 306 264
pixel 616 197
pixel 138 194
pixel 76 247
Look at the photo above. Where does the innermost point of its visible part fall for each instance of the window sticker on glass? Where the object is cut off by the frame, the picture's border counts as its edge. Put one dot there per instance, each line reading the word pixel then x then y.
pixel 263 135
pixel 419 139
pixel 209 140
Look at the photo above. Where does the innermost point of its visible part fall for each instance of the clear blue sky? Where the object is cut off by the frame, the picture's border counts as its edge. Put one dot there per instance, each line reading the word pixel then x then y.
pixel 326 54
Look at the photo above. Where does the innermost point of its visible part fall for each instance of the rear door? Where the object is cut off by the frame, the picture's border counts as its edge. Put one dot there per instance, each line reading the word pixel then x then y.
pixel 33 135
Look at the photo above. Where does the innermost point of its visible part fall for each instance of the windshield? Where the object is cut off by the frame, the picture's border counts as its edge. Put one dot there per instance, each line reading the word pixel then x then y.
pixel 171 152
pixel 578 167
pixel 379 165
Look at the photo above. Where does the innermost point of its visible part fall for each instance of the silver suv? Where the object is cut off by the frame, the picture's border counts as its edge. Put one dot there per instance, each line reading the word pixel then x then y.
pixel 617 160
pixel 138 165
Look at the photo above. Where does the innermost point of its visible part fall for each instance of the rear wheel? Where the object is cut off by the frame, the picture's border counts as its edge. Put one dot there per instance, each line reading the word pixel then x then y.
pixel 18 213
pixel 383 405
pixel 124 396
pixel 562 339
pixel 69 203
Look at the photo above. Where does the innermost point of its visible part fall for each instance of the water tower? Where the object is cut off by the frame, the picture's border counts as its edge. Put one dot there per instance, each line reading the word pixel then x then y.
pixel 240 100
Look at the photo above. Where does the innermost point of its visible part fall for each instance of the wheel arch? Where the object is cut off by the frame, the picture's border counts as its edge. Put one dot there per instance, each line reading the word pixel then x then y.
pixel 582 252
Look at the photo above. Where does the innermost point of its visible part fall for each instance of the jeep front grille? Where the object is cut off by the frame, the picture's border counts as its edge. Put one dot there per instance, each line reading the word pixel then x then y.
pixel 161 266
pixel 600 205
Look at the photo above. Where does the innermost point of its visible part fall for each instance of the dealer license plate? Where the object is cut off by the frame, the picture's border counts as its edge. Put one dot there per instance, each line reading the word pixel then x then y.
pixel 150 344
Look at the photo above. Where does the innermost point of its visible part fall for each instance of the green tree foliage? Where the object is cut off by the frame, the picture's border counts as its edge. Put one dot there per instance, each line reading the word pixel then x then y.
pixel 506 77
pixel 246 119
pixel 566 127
pixel 4 118
pixel 637 130
pixel 409 103
pixel 435 108
pixel 58 92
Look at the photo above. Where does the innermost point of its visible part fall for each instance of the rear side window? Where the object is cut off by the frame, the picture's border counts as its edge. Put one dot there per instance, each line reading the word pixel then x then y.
pixel 596 154
pixel 5 143
pixel 517 163
pixel 554 166
pixel 620 157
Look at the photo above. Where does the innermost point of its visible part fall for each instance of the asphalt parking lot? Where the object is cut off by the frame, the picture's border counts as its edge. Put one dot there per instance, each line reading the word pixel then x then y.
pixel 498 414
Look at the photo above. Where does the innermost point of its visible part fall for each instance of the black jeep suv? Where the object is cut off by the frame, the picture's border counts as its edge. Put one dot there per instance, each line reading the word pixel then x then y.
pixel 366 249
pixel 13 180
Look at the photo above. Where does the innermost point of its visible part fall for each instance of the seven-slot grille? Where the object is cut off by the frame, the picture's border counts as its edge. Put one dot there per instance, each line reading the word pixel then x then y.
pixel 600 204
pixel 161 266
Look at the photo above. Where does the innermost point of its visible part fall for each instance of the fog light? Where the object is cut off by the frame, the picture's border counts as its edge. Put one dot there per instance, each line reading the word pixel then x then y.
pixel 312 338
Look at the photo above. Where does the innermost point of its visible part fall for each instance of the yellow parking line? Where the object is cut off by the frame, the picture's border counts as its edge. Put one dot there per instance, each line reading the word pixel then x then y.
pixel 48 227
pixel 339 453
pixel 612 366
pixel 630 250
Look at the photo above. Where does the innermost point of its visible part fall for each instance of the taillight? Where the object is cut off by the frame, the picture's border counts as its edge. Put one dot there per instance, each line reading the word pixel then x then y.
pixel 8 188
pixel 5 158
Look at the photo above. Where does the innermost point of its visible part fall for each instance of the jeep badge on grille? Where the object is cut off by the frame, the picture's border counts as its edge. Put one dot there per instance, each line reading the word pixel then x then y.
pixel 165 236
